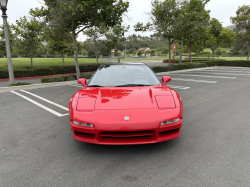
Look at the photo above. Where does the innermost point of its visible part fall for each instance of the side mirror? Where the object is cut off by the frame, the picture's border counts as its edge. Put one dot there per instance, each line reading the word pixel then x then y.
pixel 165 79
pixel 82 82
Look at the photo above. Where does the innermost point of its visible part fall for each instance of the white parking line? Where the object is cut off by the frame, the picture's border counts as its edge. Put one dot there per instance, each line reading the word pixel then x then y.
pixel 48 101
pixel 219 77
pixel 193 80
pixel 75 85
pixel 224 73
pixel 227 71
pixel 179 87
pixel 236 68
pixel 40 105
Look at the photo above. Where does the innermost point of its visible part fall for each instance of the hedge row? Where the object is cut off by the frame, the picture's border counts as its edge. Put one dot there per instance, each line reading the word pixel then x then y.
pixel 156 69
pixel 196 60
pixel 239 63
pixel 175 67
pixel 28 71
pixel 219 62
pixel 19 83
pixel 32 71
pixel 61 78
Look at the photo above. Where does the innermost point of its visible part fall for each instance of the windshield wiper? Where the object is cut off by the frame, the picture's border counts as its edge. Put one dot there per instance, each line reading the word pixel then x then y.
pixel 131 85
pixel 94 86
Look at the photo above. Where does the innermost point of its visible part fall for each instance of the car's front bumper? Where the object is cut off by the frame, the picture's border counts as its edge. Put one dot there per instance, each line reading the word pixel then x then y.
pixel 145 136
pixel 142 127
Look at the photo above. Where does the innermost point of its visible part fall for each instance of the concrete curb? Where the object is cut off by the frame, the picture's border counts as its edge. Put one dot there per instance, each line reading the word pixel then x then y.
pixel 53 84
pixel 33 86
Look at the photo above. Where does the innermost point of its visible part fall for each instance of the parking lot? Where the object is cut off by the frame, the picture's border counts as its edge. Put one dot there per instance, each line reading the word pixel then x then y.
pixel 37 148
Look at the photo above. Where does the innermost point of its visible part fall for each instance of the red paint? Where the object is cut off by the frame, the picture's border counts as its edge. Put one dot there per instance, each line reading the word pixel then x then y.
pixel 86 103
pixel 174 48
pixel 165 79
pixel 146 107
pixel 174 56
pixel 82 82
pixel 165 101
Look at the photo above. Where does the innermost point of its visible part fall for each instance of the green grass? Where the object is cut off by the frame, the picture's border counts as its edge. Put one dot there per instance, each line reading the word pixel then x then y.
pixel 45 61
pixel 139 59
pixel 223 49
pixel 232 58
pixel 54 61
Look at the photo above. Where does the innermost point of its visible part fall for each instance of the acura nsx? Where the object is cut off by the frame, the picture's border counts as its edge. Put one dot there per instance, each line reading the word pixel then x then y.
pixel 125 103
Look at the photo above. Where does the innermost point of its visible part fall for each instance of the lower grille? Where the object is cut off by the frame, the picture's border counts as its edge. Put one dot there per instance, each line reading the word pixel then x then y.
pixel 85 135
pixel 127 135
pixel 168 133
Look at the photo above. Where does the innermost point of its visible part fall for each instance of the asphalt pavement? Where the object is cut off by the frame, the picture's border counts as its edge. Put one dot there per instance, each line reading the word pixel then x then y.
pixel 37 148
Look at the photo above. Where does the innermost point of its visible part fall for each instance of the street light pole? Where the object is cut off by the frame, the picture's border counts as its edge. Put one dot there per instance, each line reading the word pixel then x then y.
pixel 181 52
pixel 125 53
pixel 3 6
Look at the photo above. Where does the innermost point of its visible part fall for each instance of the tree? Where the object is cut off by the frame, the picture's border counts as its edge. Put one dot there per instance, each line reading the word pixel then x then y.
pixel 78 15
pixel 104 37
pixel 61 45
pixel 218 36
pixel 11 39
pixel 117 53
pixel 228 37
pixel 165 50
pixel 164 20
pixel 132 51
pixel 123 39
pixel 139 53
pixel 152 52
pixel 242 22
pixel 218 52
pixel 29 36
pixel 194 23
pixel 239 47
pixel 84 52
pixel 120 47
pixel 105 51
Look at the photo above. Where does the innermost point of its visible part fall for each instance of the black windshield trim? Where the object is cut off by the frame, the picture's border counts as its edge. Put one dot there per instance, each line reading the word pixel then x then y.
pixel 94 86
pixel 133 85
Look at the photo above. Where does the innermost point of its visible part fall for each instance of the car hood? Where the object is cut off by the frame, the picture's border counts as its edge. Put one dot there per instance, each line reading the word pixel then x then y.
pixel 125 98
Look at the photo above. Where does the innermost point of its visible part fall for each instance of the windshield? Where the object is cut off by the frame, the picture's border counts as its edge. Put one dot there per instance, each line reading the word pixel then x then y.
pixel 123 76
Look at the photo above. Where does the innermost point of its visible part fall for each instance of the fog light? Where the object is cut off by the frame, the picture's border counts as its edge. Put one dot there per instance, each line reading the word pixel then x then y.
pixel 83 124
pixel 170 121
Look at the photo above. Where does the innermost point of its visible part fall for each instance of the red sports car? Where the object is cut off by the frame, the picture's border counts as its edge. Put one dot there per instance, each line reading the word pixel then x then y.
pixel 123 104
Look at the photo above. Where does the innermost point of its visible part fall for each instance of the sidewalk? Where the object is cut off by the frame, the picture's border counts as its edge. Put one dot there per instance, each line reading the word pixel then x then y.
pixel 32 81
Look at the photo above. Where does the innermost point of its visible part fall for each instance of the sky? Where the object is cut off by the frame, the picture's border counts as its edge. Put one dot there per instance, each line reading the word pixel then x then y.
pixel 220 9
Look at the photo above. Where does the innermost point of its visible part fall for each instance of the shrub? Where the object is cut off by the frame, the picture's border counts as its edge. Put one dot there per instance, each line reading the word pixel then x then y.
pixel 14 56
pixel 175 67
pixel 61 78
pixel 195 60
pixel 239 63
pixel 19 83
pixel 86 75
pixel 218 52
pixel 32 71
